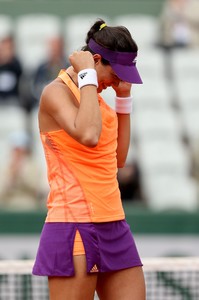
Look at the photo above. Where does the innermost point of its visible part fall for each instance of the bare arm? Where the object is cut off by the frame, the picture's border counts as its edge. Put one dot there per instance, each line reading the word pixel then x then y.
pixel 123 139
pixel 58 106
pixel 123 90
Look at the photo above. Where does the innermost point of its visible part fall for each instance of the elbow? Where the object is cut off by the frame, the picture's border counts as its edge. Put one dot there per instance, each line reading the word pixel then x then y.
pixel 120 165
pixel 90 140
pixel 90 143
pixel 121 162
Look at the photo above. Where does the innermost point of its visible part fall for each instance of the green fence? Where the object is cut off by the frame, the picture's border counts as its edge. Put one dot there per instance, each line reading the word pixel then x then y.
pixel 64 8
pixel 141 221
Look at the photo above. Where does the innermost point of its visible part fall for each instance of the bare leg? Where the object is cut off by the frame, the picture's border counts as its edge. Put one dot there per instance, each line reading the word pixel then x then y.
pixel 126 284
pixel 81 286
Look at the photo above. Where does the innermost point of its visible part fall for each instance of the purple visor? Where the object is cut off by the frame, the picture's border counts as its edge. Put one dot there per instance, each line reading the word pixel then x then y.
pixel 122 63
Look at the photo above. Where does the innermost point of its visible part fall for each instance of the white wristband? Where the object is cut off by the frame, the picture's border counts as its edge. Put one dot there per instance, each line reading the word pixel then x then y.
pixel 87 77
pixel 123 105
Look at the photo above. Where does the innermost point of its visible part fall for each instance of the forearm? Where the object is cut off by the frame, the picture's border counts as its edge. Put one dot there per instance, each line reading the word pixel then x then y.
pixel 123 107
pixel 88 120
pixel 123 138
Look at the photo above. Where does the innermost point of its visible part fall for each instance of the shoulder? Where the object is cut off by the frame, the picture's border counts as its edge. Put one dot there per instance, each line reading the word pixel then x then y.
pixel 55 94
pixel 55 88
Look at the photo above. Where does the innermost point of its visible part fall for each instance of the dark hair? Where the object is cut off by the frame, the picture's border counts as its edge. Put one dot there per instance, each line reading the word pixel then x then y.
pixel 116 38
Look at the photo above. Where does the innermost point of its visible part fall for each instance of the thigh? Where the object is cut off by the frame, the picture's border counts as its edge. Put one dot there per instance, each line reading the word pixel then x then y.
pixel 127 284
pixel 81 286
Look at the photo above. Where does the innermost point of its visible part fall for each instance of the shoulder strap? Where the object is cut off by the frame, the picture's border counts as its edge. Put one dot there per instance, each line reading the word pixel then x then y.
pixel 67 80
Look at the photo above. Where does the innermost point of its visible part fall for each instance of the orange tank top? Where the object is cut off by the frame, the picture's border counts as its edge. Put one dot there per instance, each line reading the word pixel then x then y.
pixel 83 180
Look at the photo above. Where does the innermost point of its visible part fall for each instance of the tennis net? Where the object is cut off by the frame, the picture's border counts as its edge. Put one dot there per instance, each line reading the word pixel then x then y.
pixel 166 279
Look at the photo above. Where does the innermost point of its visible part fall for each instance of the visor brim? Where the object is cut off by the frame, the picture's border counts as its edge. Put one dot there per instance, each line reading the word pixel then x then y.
pixel 127 73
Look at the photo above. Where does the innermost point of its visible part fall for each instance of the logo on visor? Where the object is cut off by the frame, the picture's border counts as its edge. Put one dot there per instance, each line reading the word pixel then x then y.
pixel 82 75
pixel 135 60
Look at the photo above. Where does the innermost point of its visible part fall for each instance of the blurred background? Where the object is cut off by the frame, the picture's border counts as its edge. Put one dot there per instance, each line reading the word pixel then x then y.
pixel 159 184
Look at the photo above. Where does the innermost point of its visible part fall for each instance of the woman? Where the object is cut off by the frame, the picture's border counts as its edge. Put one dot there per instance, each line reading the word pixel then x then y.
pixel 86 244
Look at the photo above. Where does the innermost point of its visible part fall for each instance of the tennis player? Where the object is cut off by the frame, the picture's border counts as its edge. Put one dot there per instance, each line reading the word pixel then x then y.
pixel 86 244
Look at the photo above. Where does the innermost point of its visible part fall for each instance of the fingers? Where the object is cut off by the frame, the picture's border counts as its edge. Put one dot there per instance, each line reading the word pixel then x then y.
pixel 81 60
pixel 123 89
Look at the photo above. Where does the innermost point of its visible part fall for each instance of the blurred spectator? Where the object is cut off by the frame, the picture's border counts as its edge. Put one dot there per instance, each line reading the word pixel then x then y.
pixel 195 161
pixel 49 69
pixel 20 186
pixel 46 72
pixel 129 181
pixel 10 71
pixel 192 13
pixel 175 29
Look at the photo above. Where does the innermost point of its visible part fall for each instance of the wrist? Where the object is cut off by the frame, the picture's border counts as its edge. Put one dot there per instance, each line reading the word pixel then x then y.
pixel 123 95
pixel 87 77
pixel 123 105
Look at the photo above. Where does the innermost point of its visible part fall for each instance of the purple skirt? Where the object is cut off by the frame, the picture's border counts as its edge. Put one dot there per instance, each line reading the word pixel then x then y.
pixel 108 246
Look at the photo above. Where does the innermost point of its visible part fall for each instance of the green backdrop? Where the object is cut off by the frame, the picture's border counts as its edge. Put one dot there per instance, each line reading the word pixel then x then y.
pixel 141 221
pixel 64 8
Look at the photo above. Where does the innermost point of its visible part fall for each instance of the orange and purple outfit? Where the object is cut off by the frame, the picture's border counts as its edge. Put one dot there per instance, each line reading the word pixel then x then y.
pixel 84 194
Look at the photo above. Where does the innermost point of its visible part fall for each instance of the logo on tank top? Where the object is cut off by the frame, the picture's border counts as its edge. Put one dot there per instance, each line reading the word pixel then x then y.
pixel 94 269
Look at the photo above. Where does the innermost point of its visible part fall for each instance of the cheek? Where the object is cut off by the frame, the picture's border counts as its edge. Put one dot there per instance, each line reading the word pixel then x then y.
pixel 114 81
pixel 109 78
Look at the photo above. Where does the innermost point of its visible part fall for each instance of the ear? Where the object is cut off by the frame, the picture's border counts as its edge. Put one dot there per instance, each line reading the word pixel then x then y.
pixel 97 58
